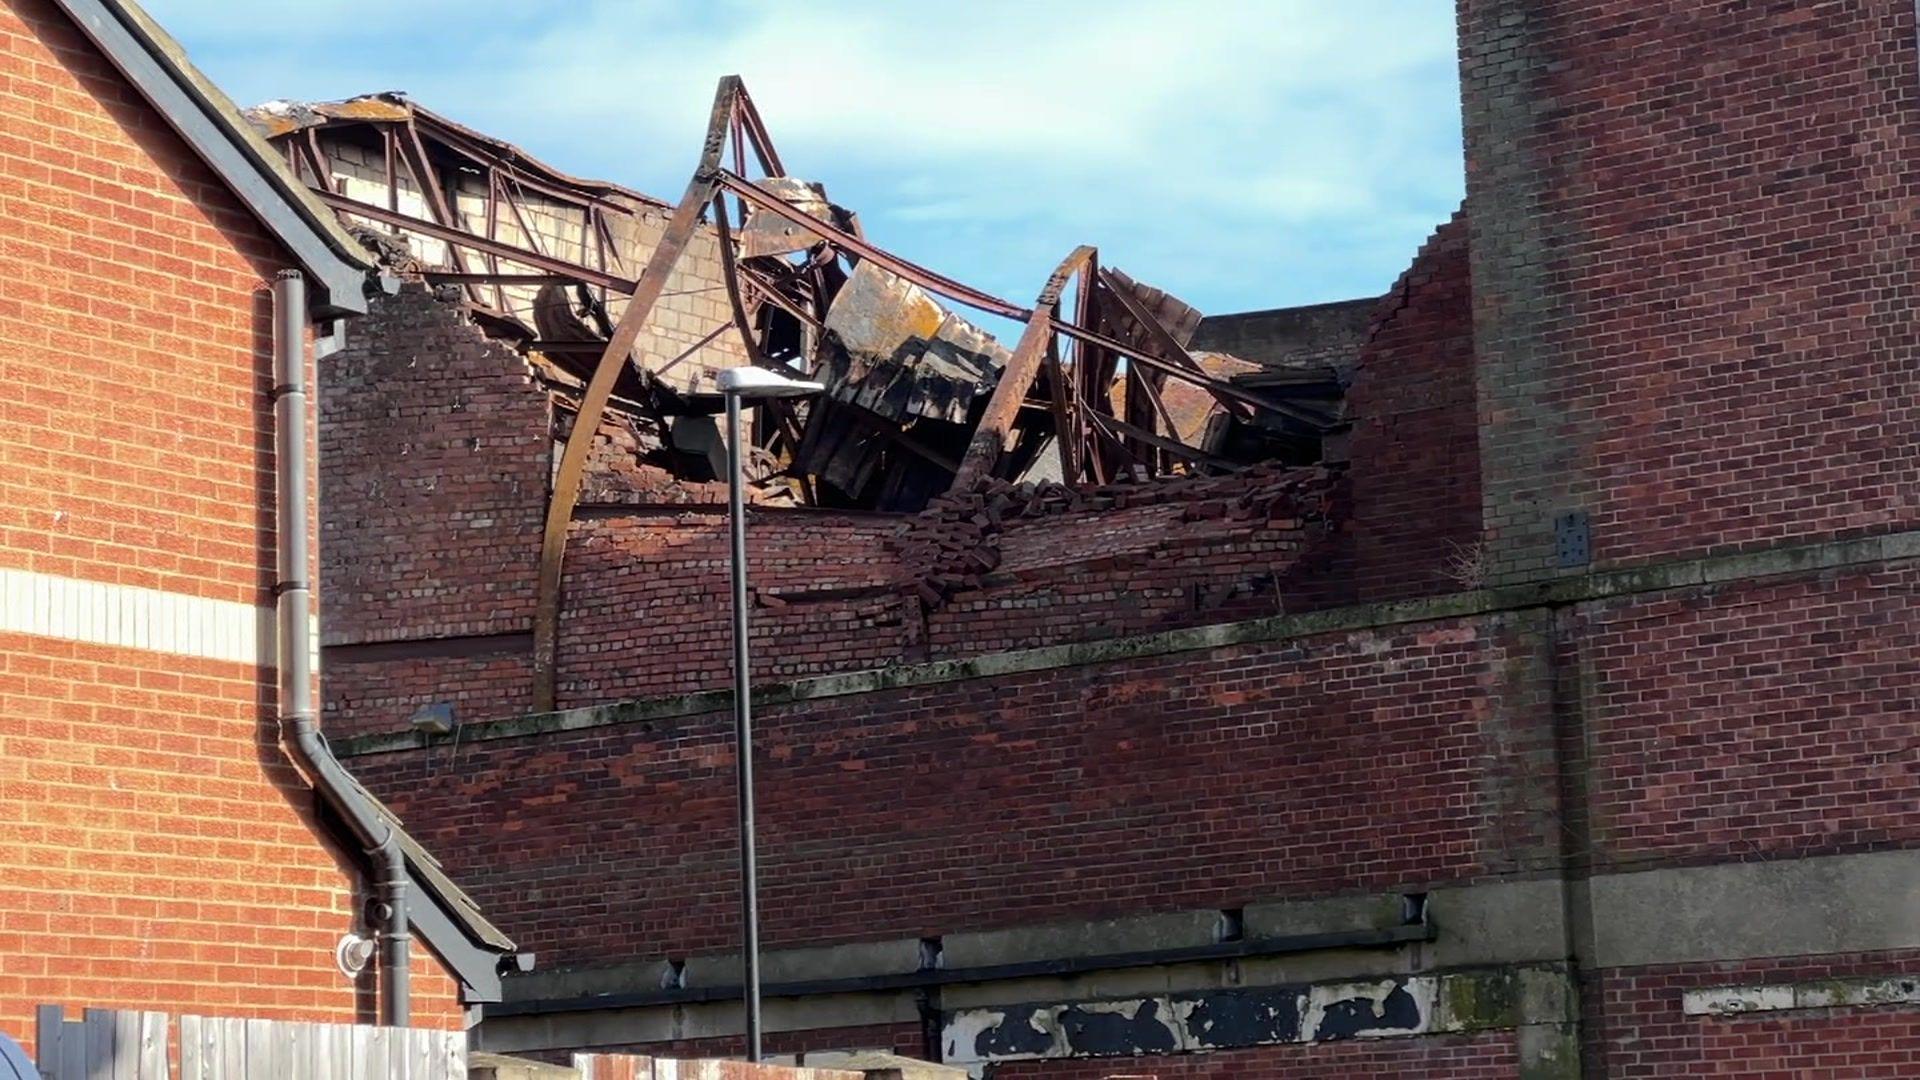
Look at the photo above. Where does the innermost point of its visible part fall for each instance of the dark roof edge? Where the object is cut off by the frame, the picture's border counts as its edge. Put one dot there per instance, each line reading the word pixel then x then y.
pixel 471 948
pixel 338 268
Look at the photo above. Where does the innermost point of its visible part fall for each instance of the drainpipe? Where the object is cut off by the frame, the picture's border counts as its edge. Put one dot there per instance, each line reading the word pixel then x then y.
pixel 300 736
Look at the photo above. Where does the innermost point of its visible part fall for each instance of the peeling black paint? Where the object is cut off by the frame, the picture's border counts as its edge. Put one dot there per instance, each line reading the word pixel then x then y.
pixel 1235 1018
pixel 1109 1032
pixel 1016 1035
pixel 1344 1019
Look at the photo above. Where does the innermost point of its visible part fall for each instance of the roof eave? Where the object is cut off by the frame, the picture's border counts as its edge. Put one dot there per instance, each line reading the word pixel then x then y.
pixel 337 267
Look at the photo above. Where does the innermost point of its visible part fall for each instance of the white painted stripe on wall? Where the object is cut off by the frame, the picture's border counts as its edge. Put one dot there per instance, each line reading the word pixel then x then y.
pixel 98 613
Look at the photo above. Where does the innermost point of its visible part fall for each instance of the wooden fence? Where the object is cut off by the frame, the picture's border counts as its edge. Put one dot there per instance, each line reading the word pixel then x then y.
pixel 632 1067
pixel 108 1044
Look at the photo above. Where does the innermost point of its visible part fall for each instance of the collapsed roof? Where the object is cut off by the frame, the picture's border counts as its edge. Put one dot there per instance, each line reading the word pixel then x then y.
pixel 1103 385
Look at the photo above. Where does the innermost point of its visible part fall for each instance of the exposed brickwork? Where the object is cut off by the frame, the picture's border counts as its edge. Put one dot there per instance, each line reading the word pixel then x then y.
pixel 1366 751
pixel 1415 474
pixel 1643 1033
pixel 435 456
pixel 648 606
pixel 1466 1057
pixel 1687 697
pixel 1694 288
pixel 155 849
pixel 380 694
pixel 438 445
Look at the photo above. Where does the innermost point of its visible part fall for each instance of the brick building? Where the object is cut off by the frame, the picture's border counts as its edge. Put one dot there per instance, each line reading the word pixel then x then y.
pixel 1558 722
pixel 158 849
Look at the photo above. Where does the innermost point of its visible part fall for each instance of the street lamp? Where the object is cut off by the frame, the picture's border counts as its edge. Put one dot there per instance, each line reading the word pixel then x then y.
pixel 735 384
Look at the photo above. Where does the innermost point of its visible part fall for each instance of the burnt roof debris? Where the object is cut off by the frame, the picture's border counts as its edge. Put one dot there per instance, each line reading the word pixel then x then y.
pixel 1120 380
pixel 627 307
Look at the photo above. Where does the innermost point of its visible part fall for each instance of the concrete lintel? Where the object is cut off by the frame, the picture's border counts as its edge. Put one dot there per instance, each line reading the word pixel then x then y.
pixel 1102 937
pixel 1236 1017
pixel 1498 922
pixel 1324 915
pixel 851 960
pixel 1855 993
pixel 1739 911
pixel 1783 561
pixel 622 1027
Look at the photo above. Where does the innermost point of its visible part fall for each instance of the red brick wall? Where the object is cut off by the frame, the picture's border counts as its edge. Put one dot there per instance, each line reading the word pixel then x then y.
pixel 155 850
pixel 1369 753
pixel 1754 721
pixel 647 609
pixel 648 606
pixel 1644 1033
pixel 1693 270
pixel 1461 1057
pixel 1414 447
pixel 437 446
pixel 435 452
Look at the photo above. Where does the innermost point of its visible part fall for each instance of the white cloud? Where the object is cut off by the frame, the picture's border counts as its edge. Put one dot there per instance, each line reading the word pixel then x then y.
pixel 1250 153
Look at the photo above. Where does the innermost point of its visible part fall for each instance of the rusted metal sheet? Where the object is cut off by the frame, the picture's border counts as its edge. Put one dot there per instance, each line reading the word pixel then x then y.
pixel 1189 407
pixel 767 233
pixel 901 354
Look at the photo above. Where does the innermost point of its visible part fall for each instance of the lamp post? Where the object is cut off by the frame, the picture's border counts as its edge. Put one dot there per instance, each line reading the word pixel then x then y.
pixel 736 384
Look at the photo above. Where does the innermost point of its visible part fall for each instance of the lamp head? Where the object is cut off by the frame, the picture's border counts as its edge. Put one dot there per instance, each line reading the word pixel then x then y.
pixel 758 382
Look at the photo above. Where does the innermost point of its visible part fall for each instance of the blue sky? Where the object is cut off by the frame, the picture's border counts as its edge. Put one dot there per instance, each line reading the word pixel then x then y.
pixel 1242 155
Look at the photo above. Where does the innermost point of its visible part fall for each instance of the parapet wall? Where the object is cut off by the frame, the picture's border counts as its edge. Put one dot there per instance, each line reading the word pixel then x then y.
pixel 648 612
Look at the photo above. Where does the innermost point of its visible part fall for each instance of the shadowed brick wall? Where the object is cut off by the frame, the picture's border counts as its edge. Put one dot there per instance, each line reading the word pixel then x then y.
pixel 1645 1033
pixel 1693 271
pixel 1414 522
pixel 1343 763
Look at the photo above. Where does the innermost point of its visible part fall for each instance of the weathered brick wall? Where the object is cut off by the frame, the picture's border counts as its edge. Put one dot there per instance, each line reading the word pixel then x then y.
pixel 1757 721
pixel 1694 295
pixel 1645 1033
pixel 1161 782
pixel 1414 520
pixel 648 613
pixel 155 849
pixel 435 453
pixel 648 606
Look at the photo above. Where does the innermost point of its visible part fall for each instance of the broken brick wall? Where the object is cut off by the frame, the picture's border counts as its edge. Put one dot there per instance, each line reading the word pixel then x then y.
pixel 435 453
pixel 648 600
pixel 437 448
pixel 647 608
pixel 1694 293
pixel 1413 525
pixel 434 463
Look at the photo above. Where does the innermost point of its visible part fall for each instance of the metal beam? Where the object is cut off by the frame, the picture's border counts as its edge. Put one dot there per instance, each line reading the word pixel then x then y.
pixel 914 272
pixel 508 252
pixel 573 461
pixel 1387 938
pixel 989 436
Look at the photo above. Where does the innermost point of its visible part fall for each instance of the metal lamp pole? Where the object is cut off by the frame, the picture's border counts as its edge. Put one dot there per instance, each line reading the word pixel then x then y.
pixel 735 384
